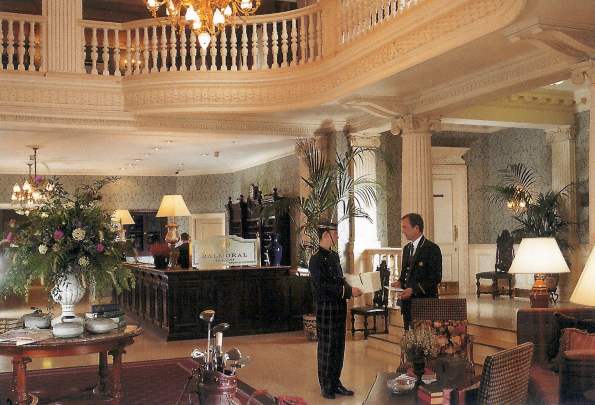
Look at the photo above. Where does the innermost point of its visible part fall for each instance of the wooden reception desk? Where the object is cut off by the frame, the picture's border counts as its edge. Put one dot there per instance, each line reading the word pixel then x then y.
pixel 252 300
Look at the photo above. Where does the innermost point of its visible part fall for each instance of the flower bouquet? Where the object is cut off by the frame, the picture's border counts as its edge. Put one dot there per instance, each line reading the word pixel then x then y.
pixel 69 241
pixel 417 345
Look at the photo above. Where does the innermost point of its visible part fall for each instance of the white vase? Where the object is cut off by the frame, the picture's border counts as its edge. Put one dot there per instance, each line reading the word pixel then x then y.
pixel 68 292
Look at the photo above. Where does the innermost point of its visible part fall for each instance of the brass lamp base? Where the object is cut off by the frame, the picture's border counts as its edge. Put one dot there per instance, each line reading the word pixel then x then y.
pixel 539 296
pixel 172 238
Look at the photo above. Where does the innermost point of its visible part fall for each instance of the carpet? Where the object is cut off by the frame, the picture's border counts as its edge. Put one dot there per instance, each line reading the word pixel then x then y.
pixel 146 382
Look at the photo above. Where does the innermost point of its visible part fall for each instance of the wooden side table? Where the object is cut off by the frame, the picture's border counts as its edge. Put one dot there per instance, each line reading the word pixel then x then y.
pixel 494 276
pixel 112 343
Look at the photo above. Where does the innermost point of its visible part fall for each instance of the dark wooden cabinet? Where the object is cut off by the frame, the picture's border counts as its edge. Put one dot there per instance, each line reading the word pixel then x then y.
pixel 255 217
pixel 252 300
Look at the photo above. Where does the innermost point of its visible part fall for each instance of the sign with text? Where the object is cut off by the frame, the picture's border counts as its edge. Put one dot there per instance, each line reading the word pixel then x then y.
pixel 224 251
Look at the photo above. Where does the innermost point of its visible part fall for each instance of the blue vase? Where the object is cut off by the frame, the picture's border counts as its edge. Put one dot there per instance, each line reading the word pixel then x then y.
pixel 276 251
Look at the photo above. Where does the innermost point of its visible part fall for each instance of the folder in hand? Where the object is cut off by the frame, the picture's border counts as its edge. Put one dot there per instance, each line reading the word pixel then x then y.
pixel 367 282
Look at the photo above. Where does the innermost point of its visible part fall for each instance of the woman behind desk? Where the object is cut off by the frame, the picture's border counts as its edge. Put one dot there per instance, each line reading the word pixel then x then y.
pixel 160 252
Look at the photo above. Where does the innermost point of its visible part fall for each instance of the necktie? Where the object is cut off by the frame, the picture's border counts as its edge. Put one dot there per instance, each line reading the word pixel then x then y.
pixel 411 256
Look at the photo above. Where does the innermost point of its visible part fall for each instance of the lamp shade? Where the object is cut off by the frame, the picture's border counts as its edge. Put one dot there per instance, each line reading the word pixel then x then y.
pixel 173 206
pixel 539 256
pixel 583 292
pixel 122 217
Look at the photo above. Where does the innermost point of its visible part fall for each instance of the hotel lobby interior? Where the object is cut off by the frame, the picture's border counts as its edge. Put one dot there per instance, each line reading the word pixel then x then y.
pixel 128 127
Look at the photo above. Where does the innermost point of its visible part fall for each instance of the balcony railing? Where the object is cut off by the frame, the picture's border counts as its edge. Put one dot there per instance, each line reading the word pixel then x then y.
pixel 20 42
pixel 266 42
pixel 150 46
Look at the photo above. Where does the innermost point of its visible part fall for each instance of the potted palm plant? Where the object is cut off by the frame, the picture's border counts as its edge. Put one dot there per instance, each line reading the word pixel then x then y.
pixel 538 214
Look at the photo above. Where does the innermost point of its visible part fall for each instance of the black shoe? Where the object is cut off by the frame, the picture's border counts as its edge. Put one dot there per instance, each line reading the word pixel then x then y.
pixel 328 395
pixel 341 390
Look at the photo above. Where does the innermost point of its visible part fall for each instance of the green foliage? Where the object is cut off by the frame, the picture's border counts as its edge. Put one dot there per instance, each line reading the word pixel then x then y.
pixel 67 235
pixel 538 214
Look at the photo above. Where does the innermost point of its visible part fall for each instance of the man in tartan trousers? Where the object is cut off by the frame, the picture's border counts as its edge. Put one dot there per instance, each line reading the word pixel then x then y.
pixel 331 292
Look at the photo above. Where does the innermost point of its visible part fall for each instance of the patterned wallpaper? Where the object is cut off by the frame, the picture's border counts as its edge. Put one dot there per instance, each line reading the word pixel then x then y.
pixel 280 173
pixel 582 174
pixel 488 153
pixel 389 205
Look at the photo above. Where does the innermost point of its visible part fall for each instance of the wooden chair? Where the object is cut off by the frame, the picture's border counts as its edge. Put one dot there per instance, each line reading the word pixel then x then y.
pixel 504 257
pixel 504 380
pixel 379 307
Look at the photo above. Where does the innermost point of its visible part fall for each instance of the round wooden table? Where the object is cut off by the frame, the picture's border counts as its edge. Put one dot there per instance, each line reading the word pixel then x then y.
pixel 112 343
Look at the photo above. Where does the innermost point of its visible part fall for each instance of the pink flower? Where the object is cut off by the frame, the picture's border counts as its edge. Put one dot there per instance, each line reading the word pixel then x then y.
pixel 9 237
pixel 99 247
pixel 38 179
pixel 58 234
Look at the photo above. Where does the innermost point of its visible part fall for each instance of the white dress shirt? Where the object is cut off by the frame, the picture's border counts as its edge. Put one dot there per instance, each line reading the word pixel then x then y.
pixel 415 243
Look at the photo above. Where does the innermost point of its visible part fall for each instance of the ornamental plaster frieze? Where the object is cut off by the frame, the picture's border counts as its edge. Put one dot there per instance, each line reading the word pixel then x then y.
pixel 454 23
pixel 525 72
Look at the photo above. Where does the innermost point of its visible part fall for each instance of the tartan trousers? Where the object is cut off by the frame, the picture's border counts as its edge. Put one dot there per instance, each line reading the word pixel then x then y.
pixel 330 324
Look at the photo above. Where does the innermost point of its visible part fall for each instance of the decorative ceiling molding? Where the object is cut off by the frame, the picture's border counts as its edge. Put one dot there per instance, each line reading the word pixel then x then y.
pixel 448 156
pixel 379 106
pixel 447 126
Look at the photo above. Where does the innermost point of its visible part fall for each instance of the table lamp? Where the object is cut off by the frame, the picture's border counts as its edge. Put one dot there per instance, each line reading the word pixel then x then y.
pixel 539 256
pixel 583 292
pixel 122 217
pixel 172 206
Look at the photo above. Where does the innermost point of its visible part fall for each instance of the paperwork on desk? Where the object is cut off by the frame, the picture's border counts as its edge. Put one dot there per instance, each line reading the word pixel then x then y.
pixel 367 282
pixel 25 336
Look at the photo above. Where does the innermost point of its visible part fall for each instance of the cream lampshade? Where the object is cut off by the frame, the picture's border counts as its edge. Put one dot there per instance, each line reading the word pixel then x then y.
pixel 539 256
pixel 122 217
pixel 583 292
pixel 172 206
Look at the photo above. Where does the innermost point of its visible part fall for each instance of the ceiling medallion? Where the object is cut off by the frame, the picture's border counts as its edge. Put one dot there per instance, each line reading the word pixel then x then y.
pixel 205 17
pixel 27 196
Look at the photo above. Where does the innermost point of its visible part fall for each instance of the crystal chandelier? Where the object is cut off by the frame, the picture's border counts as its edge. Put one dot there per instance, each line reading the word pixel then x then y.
pixel 205 17
pixel 27 196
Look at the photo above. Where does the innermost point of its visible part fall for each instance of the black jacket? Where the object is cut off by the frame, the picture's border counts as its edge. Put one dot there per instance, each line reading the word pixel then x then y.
pixel 184 258
pixel 426 272
pixel 328 283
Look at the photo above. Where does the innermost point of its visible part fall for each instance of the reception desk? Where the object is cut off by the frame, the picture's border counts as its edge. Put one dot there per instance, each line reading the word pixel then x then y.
pixel 252 300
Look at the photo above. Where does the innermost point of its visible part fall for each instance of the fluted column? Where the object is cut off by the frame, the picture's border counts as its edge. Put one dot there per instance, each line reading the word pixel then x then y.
pixel 64 48
pixel 363 234
pixel 416 193
pixel 563 144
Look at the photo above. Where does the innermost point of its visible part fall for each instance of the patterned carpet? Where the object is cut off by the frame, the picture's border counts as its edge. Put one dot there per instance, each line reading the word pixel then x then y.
pixel 147 383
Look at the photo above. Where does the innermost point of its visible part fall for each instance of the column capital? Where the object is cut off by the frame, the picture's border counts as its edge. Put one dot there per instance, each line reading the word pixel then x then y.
pixel 560 134
pixel 410 124
pixel 583 73
pixel 368 140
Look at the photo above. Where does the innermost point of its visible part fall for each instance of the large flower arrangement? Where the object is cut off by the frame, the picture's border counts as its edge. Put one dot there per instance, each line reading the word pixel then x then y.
pixel 67 235
pixel 419 343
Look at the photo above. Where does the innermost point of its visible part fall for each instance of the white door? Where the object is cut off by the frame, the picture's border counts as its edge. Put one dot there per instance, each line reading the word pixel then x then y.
pixel 450 221
pixel 203 226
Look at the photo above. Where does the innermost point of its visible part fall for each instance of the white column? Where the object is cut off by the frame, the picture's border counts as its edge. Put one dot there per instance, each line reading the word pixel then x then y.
pixel 64 48
pixel 563 143
pixel 363 234
pixel 416 193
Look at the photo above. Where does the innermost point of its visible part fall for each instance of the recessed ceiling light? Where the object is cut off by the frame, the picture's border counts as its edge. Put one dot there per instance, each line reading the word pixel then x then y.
pixel 137 160
pixel 122 168
pixel 169 141
pixel 131 165
pixel 147 154
pixel 204 154
pixel 156 148
pixel 558 83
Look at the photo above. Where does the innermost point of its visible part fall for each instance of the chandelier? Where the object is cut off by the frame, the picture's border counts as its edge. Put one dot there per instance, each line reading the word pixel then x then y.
pixel 205 17
pixel 27 196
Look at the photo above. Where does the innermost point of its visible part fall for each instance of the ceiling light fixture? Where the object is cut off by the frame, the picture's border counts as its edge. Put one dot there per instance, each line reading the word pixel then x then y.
pixel 27 196
pixel 205 17
pixel 156 148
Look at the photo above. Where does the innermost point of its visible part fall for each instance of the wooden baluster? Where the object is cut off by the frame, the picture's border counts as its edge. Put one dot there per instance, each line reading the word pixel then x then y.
pixel 318 36
pixel 294 44
pixel 128 53
pixel 136 59
pixel 234 48
pixel 303 41
pixel 173 50
pixel 10 46
pixel 275 46
pixel 21 46
pixel 154 67
pixel 203 56
pixel 311 37
pixel 94 52
pixel 105 53
pixel 183 51
pixel 192 50
pixel 223 49
pixel 213 53
pixel 402 5
pixel 145 67
pixel 3 49
pixel 255 58
pixel 244 61
pixel 117 70
pixel 31 43
pixel 284 43
pixel 163 52
pixel 265 47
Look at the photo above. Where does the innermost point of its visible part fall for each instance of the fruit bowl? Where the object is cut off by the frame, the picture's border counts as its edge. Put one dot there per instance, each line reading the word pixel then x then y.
pixel 402 384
